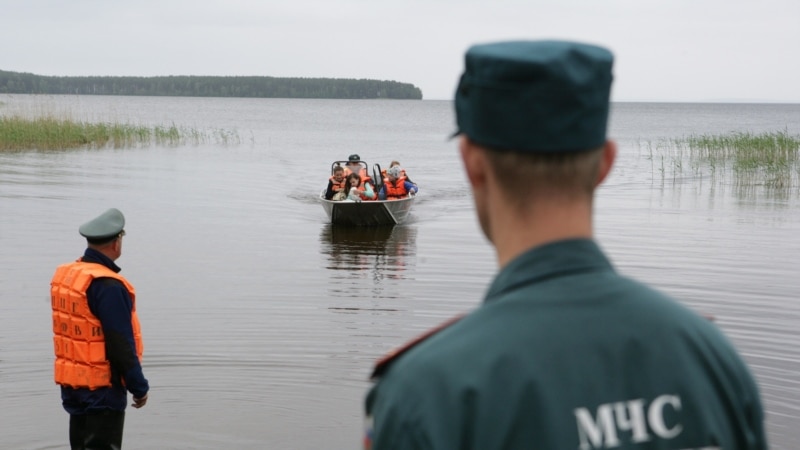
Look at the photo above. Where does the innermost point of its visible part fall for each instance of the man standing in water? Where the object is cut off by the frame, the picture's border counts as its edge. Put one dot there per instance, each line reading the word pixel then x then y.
pixel 98 342
pixel 564 353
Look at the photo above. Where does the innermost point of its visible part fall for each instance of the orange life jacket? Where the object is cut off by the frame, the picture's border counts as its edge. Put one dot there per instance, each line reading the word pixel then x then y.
pixel 361 173
pixel 386 178
pixel 80 347
pixel 396 190
pixel 337 185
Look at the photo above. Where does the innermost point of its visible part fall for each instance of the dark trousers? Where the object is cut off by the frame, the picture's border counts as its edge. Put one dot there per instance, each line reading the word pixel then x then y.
pixel 102 431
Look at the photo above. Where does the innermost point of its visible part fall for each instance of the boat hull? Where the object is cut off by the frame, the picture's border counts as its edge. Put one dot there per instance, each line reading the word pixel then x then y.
pixel 367 213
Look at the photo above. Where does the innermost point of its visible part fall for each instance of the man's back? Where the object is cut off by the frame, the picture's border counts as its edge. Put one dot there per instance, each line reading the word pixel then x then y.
pixel 566 354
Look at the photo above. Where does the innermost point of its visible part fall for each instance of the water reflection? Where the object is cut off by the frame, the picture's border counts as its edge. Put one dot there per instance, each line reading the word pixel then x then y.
pixel 368 262
pixel 384 251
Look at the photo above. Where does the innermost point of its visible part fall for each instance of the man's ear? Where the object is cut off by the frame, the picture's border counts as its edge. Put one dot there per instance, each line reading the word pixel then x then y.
pixel 474 160
pixel 606 161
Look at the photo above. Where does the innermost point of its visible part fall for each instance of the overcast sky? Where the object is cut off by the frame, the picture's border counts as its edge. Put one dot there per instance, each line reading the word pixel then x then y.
pixel 666 50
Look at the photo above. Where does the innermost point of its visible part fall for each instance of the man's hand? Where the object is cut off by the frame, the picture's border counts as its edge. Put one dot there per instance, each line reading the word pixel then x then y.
pixel 140 401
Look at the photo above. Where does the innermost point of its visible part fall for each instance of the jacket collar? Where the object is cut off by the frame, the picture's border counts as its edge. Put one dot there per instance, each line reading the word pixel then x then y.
pixel 93 256
pixel 548 261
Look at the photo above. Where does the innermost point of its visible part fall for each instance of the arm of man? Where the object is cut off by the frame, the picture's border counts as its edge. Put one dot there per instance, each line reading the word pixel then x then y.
pixel 411 187
pixel 110 302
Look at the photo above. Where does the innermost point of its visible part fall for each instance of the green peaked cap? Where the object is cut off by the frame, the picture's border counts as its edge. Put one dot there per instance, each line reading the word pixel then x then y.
pixel 104 226
pixel 535 96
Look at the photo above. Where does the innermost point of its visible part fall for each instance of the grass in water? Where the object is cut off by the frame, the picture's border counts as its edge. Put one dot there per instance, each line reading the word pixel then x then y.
pixel 48 132
pixel 769 159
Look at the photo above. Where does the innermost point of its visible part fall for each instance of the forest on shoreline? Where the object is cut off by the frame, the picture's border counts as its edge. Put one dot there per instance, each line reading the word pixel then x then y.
pixel 209 86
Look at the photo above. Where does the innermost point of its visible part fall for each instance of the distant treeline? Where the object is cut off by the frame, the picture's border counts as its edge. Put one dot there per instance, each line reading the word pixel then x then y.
pixel 208 86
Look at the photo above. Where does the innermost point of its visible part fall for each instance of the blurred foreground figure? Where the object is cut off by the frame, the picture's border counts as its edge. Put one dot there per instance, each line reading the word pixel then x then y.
pixel 564 353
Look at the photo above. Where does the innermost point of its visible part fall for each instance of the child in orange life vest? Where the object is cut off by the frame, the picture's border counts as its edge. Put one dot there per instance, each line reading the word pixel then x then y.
pixel 352 191
pixel 403 173
pixel 396 186
pixel 336 183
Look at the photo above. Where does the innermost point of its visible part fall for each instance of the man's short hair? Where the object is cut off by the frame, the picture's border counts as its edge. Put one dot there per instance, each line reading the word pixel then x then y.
pixel 566 175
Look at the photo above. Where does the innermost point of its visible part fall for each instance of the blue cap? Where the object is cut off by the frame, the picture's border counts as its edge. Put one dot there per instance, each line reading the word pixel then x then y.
pixel 103 227
pixel 535 96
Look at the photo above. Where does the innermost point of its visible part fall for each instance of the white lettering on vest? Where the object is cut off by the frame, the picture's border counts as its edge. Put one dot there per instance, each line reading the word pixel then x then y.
pixel 602 430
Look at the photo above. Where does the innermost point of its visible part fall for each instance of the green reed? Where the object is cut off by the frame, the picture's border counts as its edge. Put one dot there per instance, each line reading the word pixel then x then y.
pixel 770 159
pixel 48 132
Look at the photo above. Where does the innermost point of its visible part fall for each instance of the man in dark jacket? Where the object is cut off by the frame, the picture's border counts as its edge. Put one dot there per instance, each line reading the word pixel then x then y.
pixel 98 343
pixel 564 353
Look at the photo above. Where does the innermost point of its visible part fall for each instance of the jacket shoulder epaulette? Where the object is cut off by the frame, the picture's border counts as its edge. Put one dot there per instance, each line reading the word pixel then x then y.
pixel 383 364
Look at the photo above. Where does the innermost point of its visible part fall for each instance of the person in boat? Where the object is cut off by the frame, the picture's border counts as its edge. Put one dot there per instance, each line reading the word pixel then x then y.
pixel 97 336
pixel 396 186
pixel 336 183
pixel 353 191
pixel 354 165
pixel 403 173
pixel 564 352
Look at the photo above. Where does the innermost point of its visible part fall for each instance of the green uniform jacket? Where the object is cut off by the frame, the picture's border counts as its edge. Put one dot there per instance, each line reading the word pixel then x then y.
pixel 567 354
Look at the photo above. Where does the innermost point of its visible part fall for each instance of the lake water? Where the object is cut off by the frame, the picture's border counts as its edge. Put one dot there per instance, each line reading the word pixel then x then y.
pixel 261 321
